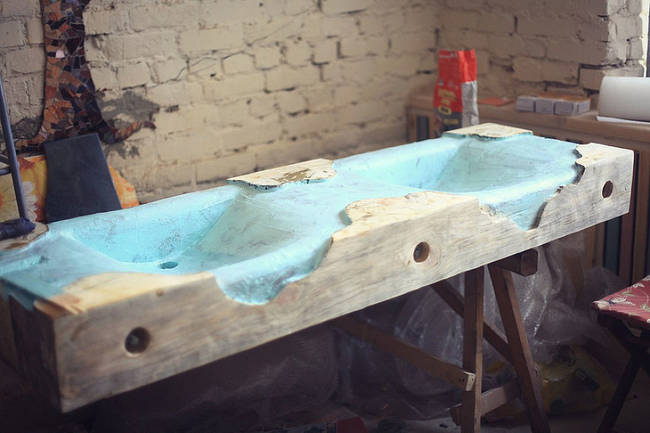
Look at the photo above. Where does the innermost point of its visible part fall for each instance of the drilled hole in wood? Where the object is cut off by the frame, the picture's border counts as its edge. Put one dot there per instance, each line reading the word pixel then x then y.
pixel 421 252
pixel 137 341
pixel 608 188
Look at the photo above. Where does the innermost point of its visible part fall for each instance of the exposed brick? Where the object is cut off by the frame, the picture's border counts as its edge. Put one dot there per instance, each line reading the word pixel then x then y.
pixel 506 45
pixel 238 63
pixel 269 31
pixel 627 26
pixel 309 123
pixel 172 69
pixel 294 7
pixel 240 84
pixel 560 72
pixel 262 105
pixel 226 37
pixel 338 26
pixel 12 34
pixel 225 167
pixel 591 53
pixel 205 68
pixel 298 53
pixel 173 147
pixel 132 75
pixel 459 19
pixel 246 84
pixel 105 21
pixel 11 8
pixel 104 78
pixel 35 31
pixel 527 69
pixel 252 133
pixel 26 60
pixel 175 93
pixel 361 113
pixel 497 23
pixel 546 26
pixel 325 51
pixel 154 16
pixel 412 42
pixel 591 78
pixel 286 77
pixel 215 12
pixel 635 49
pixel 341 6
pixel 266 57
pixel 291 102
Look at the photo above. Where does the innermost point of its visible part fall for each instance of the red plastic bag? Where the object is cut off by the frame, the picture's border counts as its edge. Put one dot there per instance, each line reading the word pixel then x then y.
pixel 455 94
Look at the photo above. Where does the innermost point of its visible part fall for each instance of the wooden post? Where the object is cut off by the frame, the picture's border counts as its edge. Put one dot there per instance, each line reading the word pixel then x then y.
pixel 522 359
pixel 473 349
pixel 624 385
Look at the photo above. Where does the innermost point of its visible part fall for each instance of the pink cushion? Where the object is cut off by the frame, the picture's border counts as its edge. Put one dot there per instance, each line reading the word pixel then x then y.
pixel 631 304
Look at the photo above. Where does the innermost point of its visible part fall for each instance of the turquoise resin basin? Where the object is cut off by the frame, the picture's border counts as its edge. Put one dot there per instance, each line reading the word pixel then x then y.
pixel 255 241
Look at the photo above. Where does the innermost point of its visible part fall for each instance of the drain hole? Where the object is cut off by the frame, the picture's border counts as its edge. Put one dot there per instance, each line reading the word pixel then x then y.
pixel 421 252
pixel 137 341
pixel 168 265
pixel 608 188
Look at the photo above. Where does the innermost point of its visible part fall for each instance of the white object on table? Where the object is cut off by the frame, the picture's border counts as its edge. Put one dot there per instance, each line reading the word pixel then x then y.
pixel 625 98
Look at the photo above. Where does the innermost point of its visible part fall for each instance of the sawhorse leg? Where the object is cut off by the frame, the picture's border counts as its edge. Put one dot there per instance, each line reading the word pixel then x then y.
pixel 469 379
pixel 473 349
pixel 522 360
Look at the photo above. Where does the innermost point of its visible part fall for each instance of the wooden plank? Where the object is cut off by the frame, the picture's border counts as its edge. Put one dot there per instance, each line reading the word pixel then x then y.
pixel 626 244
pixel 316 169
pixel 192 322
pixel 642 216
pixel 473 349
pixel 523 364
pixel 524 263
pixel 411 354
pixel 490 400
pixel 582 124
pixel 457 303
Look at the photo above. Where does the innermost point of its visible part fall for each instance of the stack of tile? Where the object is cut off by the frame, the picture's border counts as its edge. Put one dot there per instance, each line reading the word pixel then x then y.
pixel 551 103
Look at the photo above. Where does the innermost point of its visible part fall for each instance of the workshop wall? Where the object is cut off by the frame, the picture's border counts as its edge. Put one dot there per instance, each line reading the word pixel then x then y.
pixel 235 86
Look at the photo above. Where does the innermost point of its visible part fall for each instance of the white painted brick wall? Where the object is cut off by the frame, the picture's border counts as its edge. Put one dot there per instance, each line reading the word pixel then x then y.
pixel 525 46
pixel 243 85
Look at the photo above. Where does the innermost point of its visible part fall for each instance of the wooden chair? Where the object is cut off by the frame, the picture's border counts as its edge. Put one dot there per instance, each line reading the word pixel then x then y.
pixel 627 316
pixel 513 346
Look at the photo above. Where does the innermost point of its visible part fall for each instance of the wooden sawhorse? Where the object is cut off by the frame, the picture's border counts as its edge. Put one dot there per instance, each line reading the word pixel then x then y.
pixel 513 347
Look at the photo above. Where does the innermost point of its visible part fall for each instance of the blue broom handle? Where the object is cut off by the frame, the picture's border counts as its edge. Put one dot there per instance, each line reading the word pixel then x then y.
pixel 11 153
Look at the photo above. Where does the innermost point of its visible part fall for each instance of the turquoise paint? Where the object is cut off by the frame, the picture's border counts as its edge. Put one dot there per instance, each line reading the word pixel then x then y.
pixel 257 241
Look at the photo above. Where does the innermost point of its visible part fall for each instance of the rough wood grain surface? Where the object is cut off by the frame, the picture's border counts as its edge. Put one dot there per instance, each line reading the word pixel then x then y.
pixel 191 322
pixel 316 169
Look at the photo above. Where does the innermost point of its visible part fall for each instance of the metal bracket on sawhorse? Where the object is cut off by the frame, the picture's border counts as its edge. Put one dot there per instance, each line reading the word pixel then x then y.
pixel 513 347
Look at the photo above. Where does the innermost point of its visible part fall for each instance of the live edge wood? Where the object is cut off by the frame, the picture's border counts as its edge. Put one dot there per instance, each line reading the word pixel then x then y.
pixel 191 322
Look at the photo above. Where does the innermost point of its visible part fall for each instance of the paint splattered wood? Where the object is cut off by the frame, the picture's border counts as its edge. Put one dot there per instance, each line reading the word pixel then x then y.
pixel 308 171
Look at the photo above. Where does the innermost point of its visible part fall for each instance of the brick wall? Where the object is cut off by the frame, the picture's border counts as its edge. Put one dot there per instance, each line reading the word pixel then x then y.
pixel 239 85
pixel 532 45
pixel 236 85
